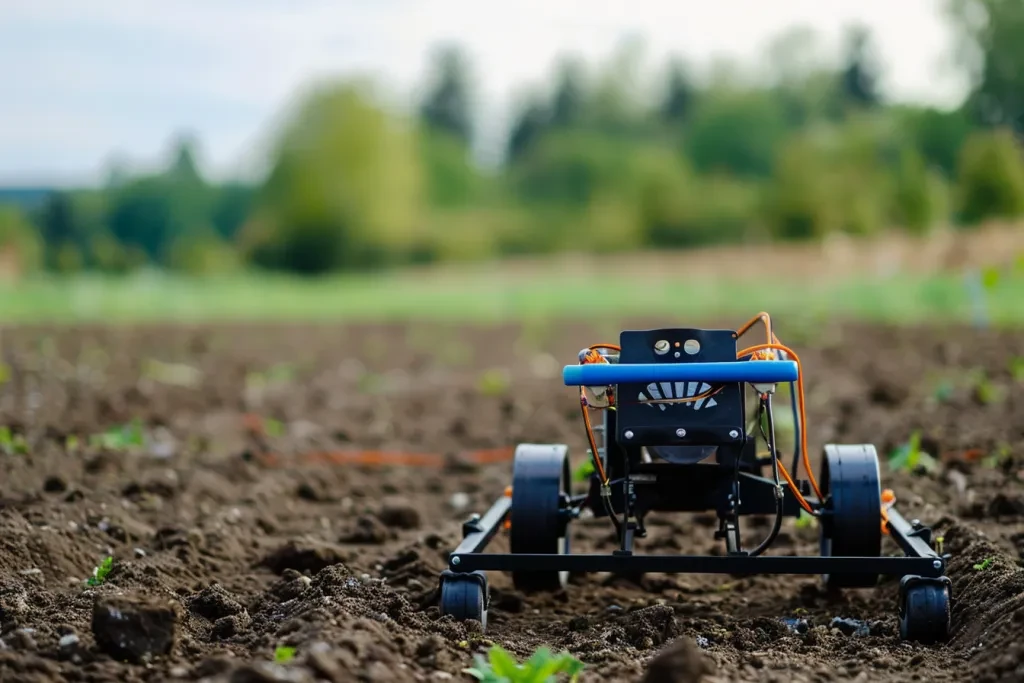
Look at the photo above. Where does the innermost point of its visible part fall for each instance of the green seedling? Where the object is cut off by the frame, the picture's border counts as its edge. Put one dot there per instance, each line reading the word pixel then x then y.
pixel 274 428
pixel 99 574
pixel 909 456
pixel 493 383
pixel 585 470
pixel 11 443
pixel 284 653
pixel 120 438
pixel 1016 369
pixel 985 391
pixel 944 391
pixel 281 373
pixel 543 667
pixel 806 521
pixel 990 278
pixel 1001 455
pixel 171 374
pixel 985 564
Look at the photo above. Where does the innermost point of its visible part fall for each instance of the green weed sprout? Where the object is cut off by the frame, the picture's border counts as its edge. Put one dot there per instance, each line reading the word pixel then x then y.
pixel 125 437
pixel 909 456
pixel 284 653
pixel 806 521
pixel 586 468
pixel 985 564
pixel 99 574
pixel 542 667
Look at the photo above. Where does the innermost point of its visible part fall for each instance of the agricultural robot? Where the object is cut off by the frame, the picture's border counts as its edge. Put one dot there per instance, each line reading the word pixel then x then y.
pixel 675 438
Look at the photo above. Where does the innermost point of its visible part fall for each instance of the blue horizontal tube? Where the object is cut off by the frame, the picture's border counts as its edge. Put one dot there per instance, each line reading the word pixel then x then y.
pixel 760 371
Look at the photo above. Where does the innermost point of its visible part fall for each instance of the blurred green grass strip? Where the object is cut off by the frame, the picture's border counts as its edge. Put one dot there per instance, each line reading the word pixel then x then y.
pixel 157 298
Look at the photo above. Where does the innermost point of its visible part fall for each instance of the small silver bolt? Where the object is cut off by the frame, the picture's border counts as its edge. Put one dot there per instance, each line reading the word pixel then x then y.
pixel 680 432
pixel 734 434
pixel 661 347
pixel 475 517
pixel 456 560
pixel 628 434
pixel 937 564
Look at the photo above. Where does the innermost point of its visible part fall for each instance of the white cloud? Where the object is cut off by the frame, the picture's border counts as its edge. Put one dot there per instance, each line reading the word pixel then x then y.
pixel 139 70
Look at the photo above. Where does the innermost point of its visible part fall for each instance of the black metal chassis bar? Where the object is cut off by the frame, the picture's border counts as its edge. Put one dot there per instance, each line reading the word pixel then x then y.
pixel 914 538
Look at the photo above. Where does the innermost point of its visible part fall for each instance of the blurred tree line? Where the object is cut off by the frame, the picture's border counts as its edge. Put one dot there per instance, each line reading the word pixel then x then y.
pixel 606 158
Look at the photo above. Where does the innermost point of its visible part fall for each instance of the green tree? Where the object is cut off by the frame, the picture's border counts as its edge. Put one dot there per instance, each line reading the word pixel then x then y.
pixel 345 189
pixel 990 182
pixel 528 127
pixel 919 197
pixel 451 177
pixel 569 103
pixel 860 75
pixel 20 244
pixel 938 135
pixel 735 132
pixel 447 106
pixel 680 95
pixel 992 52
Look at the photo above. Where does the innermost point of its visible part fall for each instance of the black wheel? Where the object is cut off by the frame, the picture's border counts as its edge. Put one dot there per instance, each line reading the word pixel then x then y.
pixel 540 499
pixel 464 596
pixel 851 525
pixel 924 609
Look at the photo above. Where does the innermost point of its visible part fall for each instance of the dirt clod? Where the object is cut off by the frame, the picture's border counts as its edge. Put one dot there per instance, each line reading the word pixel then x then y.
pixel 134 629
pixel 680 662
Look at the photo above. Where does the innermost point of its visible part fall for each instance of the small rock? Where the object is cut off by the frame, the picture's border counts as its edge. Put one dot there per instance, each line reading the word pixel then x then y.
pixel 134 630
pixel 68 643
pixel 399 515
pixel 459 501
pixel 850 627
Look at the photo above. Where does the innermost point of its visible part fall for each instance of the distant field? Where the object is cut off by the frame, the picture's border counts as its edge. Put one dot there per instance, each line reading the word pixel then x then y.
pixel 951 276
pixel 481 298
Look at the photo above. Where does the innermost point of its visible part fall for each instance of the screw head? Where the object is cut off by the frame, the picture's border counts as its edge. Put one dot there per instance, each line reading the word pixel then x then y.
pixel 475 517
pixel 734 434
pixel 937 564
pixel 661 347
pixel 680 432
pixel 628 434
pixel 456 560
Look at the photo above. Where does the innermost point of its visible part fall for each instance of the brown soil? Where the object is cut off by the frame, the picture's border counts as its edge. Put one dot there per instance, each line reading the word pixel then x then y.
pixel 251 517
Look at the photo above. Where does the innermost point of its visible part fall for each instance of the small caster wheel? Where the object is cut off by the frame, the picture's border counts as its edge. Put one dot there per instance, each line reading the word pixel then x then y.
pixel 851 523
pixel 924 609
pixel 538 516
pixel 464 596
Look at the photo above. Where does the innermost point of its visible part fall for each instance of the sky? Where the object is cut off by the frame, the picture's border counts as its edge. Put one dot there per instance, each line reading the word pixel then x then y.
pixel 87 82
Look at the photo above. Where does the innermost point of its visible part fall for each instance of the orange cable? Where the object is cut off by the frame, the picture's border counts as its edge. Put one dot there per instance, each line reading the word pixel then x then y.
pixel 801 400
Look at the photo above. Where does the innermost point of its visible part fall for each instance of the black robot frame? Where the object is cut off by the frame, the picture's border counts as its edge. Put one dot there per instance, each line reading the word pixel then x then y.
pixel 681 459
